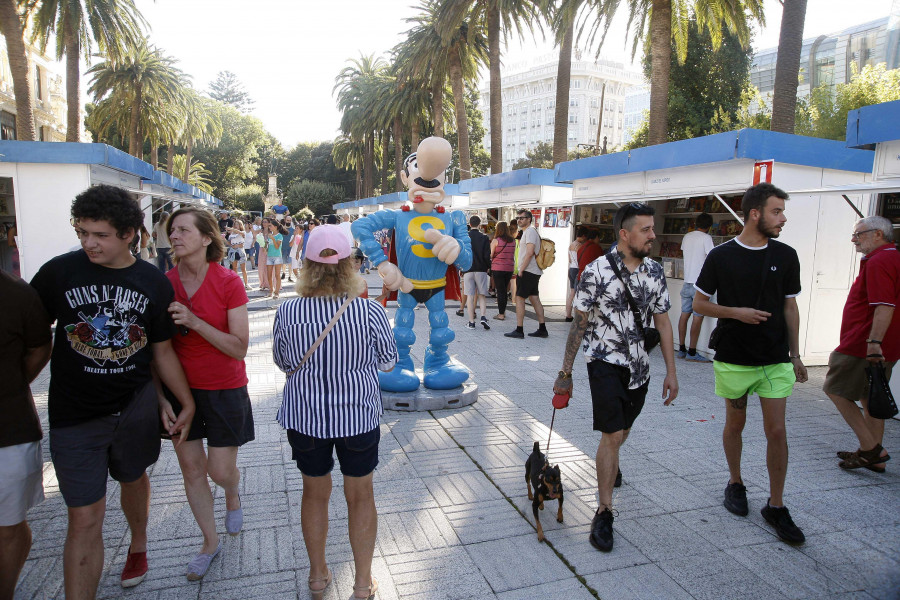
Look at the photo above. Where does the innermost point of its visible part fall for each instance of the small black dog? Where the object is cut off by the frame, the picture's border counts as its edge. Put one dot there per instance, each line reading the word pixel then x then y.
pixel 547 485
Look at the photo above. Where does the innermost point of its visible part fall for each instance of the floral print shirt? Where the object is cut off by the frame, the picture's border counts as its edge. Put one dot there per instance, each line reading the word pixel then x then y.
pixel 611 334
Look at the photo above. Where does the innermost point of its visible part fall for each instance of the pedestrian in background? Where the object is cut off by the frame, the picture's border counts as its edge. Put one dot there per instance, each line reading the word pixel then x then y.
pixel 573 269
pixel 163 245
pixel 343 415
pixel 475 280
pixel 503 250
pixel 274 239
pixel 695 246
pixel 262 261
pixel 210 308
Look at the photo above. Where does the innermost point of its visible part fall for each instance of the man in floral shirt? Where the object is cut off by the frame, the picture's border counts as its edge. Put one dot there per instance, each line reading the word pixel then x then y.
pixel 618 366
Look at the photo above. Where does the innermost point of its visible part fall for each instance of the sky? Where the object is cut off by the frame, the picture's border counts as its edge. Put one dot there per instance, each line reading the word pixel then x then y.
pixel 287 53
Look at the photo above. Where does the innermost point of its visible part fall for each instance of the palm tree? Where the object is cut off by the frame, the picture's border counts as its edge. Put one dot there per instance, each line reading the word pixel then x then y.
pixel 787 65
pixel 498 16
pixel 13 29
pixel 201 125
pixel 113 24
pixel 668 20
pixel 147 76
pixel 196 175
pixel 347 153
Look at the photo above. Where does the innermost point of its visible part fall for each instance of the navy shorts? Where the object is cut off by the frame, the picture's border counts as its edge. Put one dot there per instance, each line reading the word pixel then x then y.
pixel 223 417
pixel 358 454
pixel 573 277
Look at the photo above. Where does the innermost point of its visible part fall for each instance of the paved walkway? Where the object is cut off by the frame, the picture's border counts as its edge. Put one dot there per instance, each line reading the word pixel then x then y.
pixel 454 520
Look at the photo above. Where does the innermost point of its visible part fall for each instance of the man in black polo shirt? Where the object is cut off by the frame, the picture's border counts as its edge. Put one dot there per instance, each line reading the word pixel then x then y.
pixel 757 280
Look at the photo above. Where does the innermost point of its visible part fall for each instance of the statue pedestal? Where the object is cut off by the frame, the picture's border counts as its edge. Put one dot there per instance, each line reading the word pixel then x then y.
pixel 424 399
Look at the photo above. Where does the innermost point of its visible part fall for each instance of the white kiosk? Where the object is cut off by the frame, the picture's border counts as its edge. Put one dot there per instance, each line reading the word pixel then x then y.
pixel 39 180
pixel 538 191
pixel 710 174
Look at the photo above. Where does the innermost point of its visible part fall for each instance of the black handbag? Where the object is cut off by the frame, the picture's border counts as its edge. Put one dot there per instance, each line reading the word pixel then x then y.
pixel 715 336
pixel 650 335
pixel 881 400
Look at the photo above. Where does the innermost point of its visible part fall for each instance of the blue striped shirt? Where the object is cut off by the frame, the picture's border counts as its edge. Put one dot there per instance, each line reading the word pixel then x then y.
pixel 336 393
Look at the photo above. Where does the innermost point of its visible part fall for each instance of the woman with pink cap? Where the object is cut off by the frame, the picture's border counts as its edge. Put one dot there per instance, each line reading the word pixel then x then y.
pixel 331 344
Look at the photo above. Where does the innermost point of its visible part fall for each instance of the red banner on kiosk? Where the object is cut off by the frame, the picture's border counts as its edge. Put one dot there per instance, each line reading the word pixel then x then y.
pixel 762 171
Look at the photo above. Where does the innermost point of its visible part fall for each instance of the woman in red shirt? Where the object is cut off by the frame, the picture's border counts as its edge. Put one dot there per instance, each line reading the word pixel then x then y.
pixel 210 311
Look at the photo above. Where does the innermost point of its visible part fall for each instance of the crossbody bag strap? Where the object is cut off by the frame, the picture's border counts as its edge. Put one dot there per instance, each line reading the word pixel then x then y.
pixel 634 308
pixel 322 335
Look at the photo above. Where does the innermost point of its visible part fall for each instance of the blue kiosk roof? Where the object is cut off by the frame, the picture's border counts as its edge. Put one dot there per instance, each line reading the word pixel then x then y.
pixel 74 153
pixel 752 144
pixel 520 177
pixel 450 189
pixel 870 125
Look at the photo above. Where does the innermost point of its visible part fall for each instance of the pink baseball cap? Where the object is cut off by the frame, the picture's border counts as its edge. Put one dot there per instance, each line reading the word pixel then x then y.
pixel 327 237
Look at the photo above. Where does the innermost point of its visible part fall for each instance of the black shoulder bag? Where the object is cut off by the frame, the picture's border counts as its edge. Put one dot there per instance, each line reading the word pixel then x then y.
pixel 650 335
pixel 881 400
pixel 715 337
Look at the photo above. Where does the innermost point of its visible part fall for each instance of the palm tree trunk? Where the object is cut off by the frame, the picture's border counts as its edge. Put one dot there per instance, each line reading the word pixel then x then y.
pixel 134 127
pixel 358 181
pixel 600 119
pixel 154 155
pixel 437 104
pixel 187 159
pixel 170 158
pixel 462 123
pixel 368 164
pixel 20 68
pixel 563 79
pixel 398 154
pixel 660 61
pixel 414 135
pixel 496 108
pixel 73 83
pixel 787 66
pixel 385 158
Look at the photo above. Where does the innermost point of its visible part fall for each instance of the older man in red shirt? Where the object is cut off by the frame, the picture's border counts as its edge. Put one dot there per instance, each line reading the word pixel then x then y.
pixel 870 333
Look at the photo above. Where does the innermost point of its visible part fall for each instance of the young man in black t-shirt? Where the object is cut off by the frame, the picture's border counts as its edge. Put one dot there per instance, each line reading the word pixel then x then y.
pixel 757 280
pixel 112 326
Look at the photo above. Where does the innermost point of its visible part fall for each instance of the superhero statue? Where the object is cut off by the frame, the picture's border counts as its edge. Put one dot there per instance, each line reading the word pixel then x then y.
pixel 427 239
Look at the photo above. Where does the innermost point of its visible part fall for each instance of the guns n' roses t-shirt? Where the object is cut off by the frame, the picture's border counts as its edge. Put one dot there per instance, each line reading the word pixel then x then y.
pixel 106 320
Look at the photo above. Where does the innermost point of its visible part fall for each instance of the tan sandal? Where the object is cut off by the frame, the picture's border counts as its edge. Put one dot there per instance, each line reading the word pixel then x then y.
pixel 371 588
pixel 318 594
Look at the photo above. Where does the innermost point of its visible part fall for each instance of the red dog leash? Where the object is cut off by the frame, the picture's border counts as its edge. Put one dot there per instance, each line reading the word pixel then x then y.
pixel 559 401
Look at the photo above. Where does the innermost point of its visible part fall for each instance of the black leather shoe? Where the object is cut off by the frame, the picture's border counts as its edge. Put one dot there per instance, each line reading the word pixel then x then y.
pixel 541 333
pixel 602 531
pixel 515 333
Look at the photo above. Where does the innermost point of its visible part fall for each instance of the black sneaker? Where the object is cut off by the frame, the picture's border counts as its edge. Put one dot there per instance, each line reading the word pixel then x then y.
pixel 459 313
pixel 602 530
pixel 515 333
pixel 470 325
pixel 541 332
pixel 484 323
pixel 780 519
pixel 618 482
pixel 736 499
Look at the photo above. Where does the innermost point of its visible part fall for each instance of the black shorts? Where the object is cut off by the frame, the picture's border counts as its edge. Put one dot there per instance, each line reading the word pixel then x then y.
pixel 223 417
pixel 358 454
pixel 122 446
pixel 527 285
pixel 573 277
pixel 615 406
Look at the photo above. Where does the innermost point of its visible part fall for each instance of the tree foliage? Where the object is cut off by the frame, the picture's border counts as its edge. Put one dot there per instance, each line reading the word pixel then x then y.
pixel 228 89
pixel 540 156
pixel 481 160
pixel 247 197
pixel 320 197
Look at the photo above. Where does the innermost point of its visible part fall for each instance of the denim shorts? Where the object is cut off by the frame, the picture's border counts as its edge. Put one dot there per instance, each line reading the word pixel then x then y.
pixel 274 260
pixel 358 454
pixel 687 298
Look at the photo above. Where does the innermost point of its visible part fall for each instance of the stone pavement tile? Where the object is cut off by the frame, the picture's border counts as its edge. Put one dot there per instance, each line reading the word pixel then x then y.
pixel 257 551
pixel 837 510
pixel 684 462
pixel 441 462
pixel 424 440
pixel 882 537
pixel 48 532
pixel 478 436
pixel 396 465
pixel 498 455
pixel 414 531
pixel 41 577
pixel 643 582
pixel 510 480
pixel 716 576
pixel 461 488
pixel 852 560
pixel 662 537
pixel 723 529
pixel 570 589
pixel 461 418
pixel 401 495
pixel 447 573
pixel 279 585
pixel 576 513
pixel 788 570
pixel 517 562
pixel 579 474
pixel 409 421
pixel 574 546
pixel 637 466
pixel 674 493
pixel 262 479
pixel 484 521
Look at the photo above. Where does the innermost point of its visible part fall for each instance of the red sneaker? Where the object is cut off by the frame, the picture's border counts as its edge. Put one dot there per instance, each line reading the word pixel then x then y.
pixel 135 569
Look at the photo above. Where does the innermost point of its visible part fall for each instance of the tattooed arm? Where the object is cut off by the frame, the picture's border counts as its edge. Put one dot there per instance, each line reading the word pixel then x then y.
pixel 576 335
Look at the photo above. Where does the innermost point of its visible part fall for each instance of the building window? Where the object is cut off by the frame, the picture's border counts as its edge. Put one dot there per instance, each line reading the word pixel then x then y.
pixel 38 94
pixel 7 125
pixel 573 118
pixel 861 51
pixel 823 63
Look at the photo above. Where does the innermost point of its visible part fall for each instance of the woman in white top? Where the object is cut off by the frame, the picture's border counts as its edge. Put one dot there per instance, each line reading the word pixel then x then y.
pixel 236 255
pixel 573 269
pixel 163 245
pixel 255 229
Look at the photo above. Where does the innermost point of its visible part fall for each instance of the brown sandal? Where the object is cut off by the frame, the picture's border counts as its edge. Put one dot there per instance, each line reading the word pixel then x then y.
pixel 318 594
pixel 372 588
pixel 864 458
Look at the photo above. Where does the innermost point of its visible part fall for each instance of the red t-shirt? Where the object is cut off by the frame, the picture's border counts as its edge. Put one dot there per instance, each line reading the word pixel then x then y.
pixel 206 367
pixel 878 284
pixel 588 253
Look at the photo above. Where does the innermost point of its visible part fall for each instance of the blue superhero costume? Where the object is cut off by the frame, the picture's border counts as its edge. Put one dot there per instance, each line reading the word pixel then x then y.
pixel 429 277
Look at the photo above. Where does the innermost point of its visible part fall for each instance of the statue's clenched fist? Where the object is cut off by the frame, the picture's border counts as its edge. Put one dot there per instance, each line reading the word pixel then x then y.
pixel 444 247
pixel 393 278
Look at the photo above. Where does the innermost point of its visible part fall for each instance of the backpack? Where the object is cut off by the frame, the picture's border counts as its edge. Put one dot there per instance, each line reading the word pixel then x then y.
pixel 546 255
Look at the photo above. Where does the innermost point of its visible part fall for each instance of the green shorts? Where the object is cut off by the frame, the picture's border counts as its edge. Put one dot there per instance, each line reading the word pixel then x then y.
pixel 768 381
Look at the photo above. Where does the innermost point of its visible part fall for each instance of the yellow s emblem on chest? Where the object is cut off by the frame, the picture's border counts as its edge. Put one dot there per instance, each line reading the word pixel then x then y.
pixel 417 233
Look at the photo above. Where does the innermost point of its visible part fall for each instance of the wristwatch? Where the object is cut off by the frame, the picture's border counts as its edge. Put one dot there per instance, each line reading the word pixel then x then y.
pixel 565 375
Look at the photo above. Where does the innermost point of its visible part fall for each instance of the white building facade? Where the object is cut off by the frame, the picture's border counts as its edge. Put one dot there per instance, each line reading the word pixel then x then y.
pixel 529 104
pixel 49 97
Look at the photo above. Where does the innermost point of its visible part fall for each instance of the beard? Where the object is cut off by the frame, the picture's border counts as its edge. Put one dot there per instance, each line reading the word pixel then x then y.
pixel 766 228
pixel 640 252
